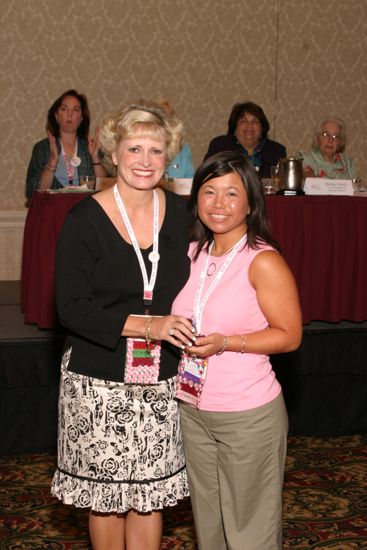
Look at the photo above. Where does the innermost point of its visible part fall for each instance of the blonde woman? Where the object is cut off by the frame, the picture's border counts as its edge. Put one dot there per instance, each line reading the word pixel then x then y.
pixel 121 260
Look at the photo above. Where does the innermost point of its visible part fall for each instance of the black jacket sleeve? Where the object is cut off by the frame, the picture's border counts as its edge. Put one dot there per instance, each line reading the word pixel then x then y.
pixel 80 308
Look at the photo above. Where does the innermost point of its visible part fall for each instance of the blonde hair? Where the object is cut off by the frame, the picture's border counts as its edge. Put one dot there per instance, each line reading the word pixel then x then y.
pixel 144 118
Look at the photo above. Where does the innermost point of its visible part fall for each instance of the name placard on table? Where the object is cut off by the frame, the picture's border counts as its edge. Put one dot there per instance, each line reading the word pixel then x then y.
pixel 325 186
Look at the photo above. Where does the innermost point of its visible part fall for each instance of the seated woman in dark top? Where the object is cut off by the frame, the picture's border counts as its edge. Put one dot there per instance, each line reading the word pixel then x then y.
pixel 67 152
pixel 248 129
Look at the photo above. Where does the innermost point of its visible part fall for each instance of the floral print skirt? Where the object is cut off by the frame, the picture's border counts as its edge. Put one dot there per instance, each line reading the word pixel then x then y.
pixel 119 446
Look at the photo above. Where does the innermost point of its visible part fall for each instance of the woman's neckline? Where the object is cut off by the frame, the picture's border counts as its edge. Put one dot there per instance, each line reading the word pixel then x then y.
pixel 114 228
pixel 227 251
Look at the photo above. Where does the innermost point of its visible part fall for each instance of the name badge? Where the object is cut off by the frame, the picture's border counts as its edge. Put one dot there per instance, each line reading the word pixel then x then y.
pixel 190 378
pixel 142 362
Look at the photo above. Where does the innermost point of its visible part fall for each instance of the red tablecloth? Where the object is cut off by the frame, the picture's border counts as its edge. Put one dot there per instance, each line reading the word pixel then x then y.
pixel 324 240
pixel 42 227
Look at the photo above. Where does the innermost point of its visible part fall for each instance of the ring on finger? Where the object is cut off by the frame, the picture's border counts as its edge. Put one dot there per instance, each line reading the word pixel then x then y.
pixel 170 331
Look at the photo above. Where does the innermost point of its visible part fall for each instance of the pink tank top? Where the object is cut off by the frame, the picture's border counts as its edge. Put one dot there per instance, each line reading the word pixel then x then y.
pixel 235 381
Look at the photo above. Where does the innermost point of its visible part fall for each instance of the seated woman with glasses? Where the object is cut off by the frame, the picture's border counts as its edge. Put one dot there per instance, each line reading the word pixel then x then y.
pixel 247 133
pixel 326 158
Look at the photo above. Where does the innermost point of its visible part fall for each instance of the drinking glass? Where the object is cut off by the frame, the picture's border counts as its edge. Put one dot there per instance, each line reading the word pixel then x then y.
pixel 268 186
pixel 359 185
pixel 89 181
pixel 274 174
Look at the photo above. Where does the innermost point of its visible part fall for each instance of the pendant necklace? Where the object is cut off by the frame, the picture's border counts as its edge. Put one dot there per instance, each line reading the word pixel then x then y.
pixel 213 266
pixel 211 269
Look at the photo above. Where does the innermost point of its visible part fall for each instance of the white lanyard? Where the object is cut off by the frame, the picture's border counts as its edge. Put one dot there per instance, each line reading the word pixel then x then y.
pixel 154 255
pixel 199 302
pixel 70 164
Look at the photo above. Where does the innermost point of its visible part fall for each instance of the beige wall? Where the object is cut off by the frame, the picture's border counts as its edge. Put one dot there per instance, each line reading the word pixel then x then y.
pixel 299 59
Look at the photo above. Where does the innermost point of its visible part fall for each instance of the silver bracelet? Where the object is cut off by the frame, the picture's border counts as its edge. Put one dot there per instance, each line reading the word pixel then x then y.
pixel 224 347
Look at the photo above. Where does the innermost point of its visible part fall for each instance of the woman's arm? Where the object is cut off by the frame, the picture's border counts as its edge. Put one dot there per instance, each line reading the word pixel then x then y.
pixel 48 173
pixel 37 168
pixel 77 254
pixel 159 328
pixel 93 150
pixel 278 299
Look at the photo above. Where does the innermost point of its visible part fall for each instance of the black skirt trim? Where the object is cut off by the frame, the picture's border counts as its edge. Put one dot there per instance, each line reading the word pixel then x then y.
pixel 128 481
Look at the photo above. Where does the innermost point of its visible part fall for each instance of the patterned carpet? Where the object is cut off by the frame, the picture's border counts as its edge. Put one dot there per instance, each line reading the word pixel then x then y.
pixel 325 502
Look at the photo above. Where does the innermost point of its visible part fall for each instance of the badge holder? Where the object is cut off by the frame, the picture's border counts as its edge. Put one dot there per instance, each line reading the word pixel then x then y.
pixel 142 361
pixel 190 378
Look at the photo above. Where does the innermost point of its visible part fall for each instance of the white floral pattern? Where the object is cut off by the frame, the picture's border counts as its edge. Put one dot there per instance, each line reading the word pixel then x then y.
pixel 119 446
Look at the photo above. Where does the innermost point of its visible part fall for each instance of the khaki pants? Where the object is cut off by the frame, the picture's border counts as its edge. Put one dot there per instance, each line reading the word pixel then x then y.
pixel 235 463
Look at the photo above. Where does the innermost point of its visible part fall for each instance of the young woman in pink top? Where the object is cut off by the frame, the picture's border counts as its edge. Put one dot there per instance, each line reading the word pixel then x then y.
pixel 243 301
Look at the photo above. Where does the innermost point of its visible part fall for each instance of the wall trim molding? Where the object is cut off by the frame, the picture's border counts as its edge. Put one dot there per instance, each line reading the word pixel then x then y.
pixel 11 243
pixel 12 219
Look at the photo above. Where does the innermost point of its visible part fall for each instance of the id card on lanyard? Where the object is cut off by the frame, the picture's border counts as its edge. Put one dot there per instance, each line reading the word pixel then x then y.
pixel 191 377
pixel 142 359
pixel 192 370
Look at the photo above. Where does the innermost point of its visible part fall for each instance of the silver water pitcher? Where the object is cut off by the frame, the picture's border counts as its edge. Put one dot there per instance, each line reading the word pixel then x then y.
pixel 291 177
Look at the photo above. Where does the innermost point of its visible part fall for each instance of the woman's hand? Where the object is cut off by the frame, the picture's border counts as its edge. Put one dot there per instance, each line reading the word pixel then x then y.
pixel 48 172
pixel 205 346
pixel 174 329
pixel 93 149
pixel 93 146
pixel 54 151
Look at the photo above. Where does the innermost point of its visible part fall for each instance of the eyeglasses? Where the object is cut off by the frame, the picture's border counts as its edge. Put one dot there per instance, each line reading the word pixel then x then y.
pixel 334 137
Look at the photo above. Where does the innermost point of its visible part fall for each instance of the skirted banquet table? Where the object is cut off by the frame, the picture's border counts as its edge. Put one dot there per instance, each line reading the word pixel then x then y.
pixel 44 220
pixel 323 239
